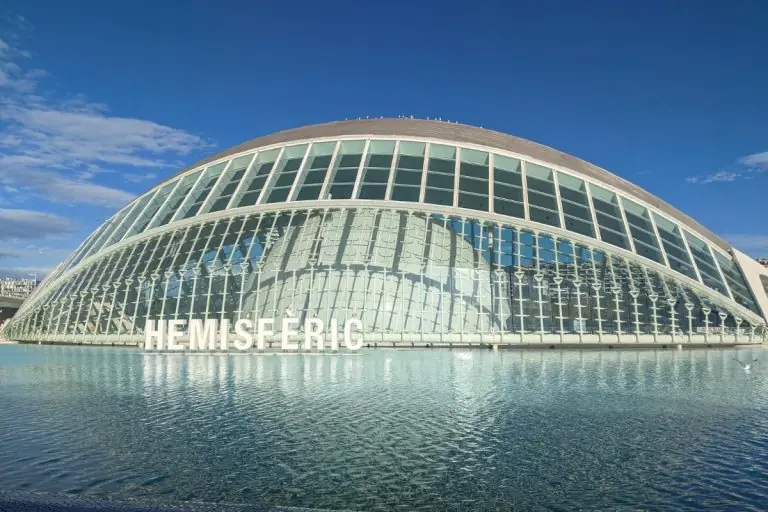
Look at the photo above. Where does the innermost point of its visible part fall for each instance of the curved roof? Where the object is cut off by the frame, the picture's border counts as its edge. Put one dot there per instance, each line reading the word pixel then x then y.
pixel 470 135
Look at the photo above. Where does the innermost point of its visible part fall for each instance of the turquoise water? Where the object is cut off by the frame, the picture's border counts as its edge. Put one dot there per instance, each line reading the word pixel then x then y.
pixel 390 429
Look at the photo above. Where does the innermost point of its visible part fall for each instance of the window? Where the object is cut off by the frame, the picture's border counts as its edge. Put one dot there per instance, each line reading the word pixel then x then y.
pixel 410 163
pixel 285 173
pixel 345 169
pixel 473 180
pixel 609 218
pixel 376 170
pixel 542 200
pixel 575 204
pixel 228 184
pixel 674 246
pixel 704 262
pixel 508 187
pixel 316 168
pixel 254 179
pixel 642 231
pixel 441 172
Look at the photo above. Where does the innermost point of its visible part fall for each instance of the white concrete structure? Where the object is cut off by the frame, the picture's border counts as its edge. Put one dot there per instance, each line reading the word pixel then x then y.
pixel 429 232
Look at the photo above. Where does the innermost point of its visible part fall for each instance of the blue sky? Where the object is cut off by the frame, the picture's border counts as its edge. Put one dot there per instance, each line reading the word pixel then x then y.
pixel 101 100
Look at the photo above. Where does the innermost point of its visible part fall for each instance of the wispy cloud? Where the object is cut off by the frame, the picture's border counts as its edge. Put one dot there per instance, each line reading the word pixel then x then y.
pixel 16 224
pixel 57 150
pixel 137 178
pixel 755 245
pixel 745 168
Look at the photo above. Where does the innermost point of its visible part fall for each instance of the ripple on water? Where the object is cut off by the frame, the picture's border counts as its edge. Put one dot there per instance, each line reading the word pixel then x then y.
pixel 389 430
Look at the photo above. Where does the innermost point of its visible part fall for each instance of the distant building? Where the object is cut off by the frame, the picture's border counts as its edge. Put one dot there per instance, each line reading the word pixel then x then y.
pixel 17 288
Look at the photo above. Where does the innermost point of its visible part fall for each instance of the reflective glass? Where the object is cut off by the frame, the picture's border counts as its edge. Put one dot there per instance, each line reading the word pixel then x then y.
pixel 473 180
pixel 441 172
pixel 228 184
pixel 408 171
pixel 642 231
pixel 315 171
pixel 345 169
pixel 285 173
pixel 542 199
pixel 575 204
pixel 674 246
pixel 508 187
pixel 254 180
pixel 376 171
pixel 609 218
pixel 704 262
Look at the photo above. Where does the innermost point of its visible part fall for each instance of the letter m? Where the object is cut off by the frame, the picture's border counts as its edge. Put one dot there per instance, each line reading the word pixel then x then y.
pixel 202 336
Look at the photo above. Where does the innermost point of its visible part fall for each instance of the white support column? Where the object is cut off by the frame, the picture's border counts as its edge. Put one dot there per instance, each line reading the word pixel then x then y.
pixel 361 168
pixel 556 185
pixel 181 209
pixel 491 183
pixel 161 208
pixel 424 171
pixel 627 228
pixel 184 269
pixel 270 177
pixel 243 181
pixel 299 174
pixel 592 211
pixel 456 173
pixel 215 188
pixel 659 240
pixel 720 272
pixel 392 168
pixel 690 255
pixel 331 173
pixel 524 183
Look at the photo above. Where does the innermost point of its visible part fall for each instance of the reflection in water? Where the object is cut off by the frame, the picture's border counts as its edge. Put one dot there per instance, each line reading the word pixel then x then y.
pixel 386 428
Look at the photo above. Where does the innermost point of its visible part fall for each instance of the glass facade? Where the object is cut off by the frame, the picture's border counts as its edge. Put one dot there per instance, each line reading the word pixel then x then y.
pixel 477 246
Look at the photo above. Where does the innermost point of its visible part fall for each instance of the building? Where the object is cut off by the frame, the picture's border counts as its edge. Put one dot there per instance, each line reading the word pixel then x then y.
pixel 428 232
pixel 17 288
pixel 12 293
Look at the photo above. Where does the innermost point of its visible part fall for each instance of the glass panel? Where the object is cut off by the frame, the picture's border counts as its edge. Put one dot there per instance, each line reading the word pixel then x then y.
pixel 441 171
pixel 315 170
pixel 739 289
pixel 376 171
pixel 177 198
pixel 706 265
pixel 473 180
pixel 346 167
pixel 573 195
pixel 674 246
pixel 609 218
pixel 508 187
pixel 285 173
pixel 642 231
pixel 228 184
pixel 542 200
pixel 150 209
pixel 410 164
pixel 201 191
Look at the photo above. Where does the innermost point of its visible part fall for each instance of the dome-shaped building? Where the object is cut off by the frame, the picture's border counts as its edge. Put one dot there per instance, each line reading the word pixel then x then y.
pixel 426 231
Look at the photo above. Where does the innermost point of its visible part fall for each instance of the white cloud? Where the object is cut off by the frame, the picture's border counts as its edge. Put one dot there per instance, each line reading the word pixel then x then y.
pixel 18 225
pixel 756 160
pixel 745 168
pixel 137 178
pixel 714 177
pixel 756 245
pixel 59 150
